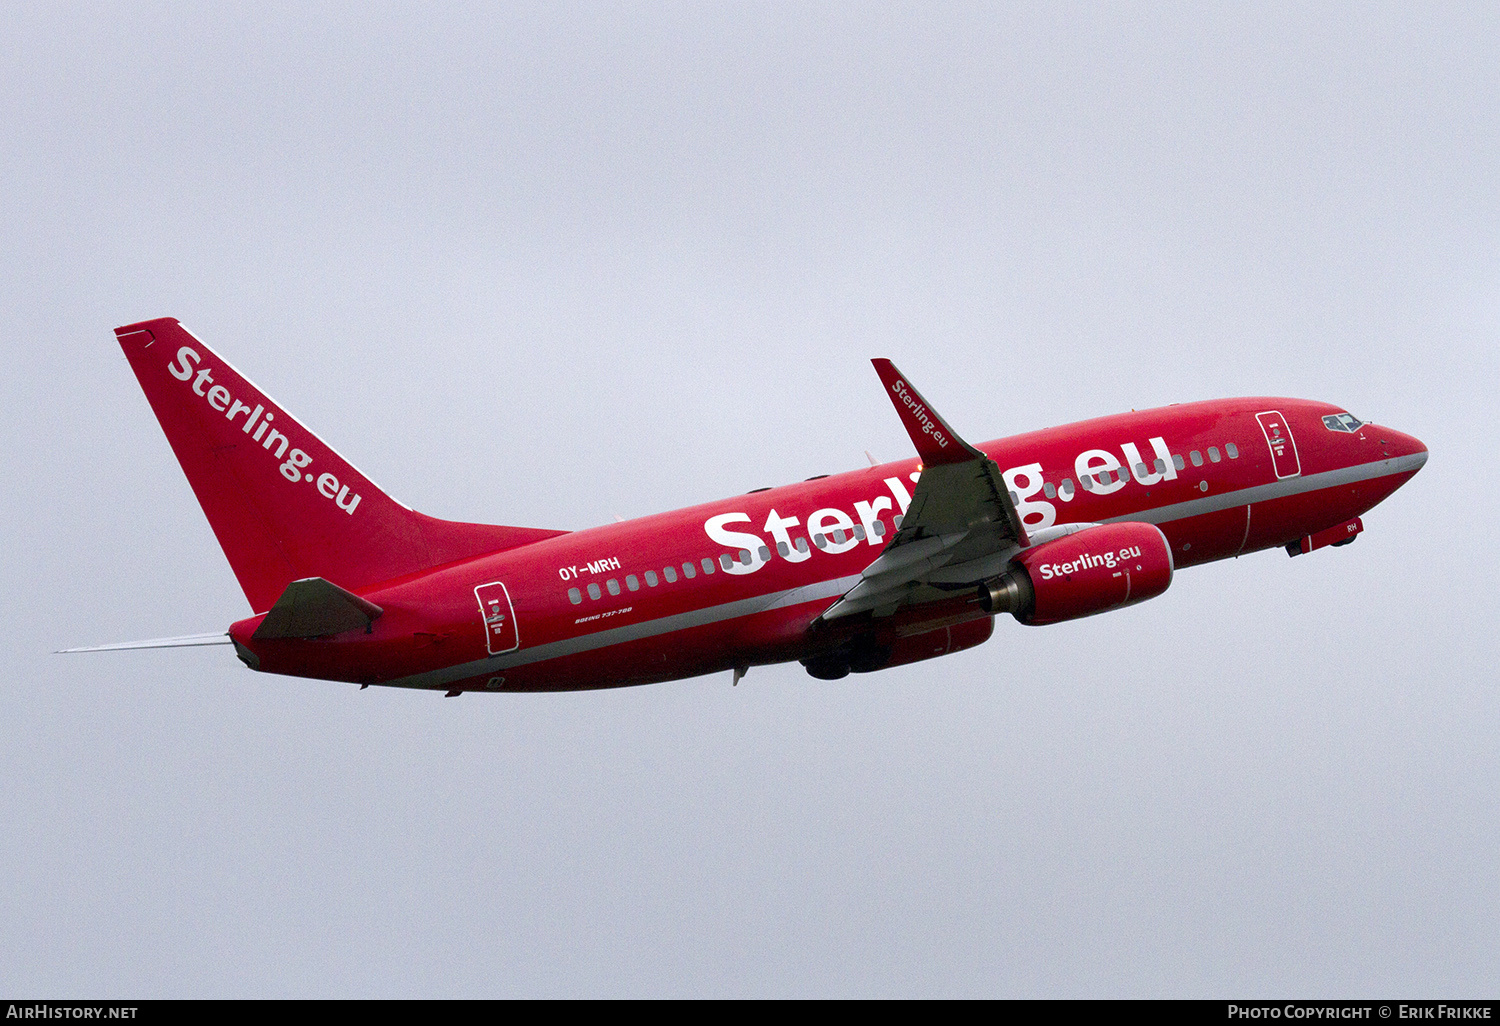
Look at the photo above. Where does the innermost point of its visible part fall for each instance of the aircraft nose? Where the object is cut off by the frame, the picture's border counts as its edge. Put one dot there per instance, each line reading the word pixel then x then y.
pixel 1398 445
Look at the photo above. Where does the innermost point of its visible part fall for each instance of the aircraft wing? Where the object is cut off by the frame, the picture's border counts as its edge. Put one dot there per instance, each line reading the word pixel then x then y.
pixel 961 526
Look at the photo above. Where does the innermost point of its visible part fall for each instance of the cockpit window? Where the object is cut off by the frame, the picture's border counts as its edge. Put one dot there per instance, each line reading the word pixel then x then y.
pixel 1342 422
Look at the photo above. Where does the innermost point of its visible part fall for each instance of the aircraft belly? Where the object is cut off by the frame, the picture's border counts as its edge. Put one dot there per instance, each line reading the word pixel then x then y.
pixel 1207 536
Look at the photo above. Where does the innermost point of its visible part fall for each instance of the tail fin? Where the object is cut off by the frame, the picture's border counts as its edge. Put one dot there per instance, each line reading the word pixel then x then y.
pixel 283 504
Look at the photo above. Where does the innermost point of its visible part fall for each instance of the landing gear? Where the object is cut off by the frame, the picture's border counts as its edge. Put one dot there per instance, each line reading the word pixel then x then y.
pixel 1296 548
pixel 829 667
pixel 868 657
pixel 861 655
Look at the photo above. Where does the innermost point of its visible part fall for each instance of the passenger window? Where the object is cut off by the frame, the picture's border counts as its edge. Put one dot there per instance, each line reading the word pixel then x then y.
pixel 783 549
pixel 1140 471
pixel 575 596
pixel 689 571
pixel 1086 483
pixel 1066 488
pixel 838 536
pixel 1196 457
pixel 1179 462
pixel 765 554
pixel 1049 491
pixel 1231 450
pixel 802 545
pixel 744 556
pixel 613 586
pixel 1161 466
pixel 859 532
pixel 670 574
pixel 820 541
pixel 1213 453
pixel 896 520
pixel 593 591
pixel 632 582
pixel 708 565
pixel 650 578
pixel 879 528
pixel 725 561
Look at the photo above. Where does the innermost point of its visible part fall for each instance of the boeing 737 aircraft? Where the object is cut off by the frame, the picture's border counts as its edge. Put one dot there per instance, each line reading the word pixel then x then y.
pixel 852 572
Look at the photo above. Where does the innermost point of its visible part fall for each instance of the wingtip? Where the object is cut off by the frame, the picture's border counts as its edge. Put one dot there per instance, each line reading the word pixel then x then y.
pixel 935 441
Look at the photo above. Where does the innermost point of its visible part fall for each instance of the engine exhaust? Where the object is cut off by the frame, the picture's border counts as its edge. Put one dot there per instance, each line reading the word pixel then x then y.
pixel 1011 592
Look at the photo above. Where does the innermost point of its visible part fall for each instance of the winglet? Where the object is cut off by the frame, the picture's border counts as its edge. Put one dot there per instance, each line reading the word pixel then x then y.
pixel 936 442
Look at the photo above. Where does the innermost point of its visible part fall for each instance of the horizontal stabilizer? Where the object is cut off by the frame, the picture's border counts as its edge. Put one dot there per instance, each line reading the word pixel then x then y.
pixel 314 608
pixel 186 641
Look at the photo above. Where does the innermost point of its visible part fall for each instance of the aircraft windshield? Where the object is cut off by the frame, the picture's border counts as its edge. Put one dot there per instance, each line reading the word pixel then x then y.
pixel 1342 422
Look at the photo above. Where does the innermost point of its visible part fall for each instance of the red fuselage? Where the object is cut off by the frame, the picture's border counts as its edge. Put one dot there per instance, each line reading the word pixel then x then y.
pixel 743 581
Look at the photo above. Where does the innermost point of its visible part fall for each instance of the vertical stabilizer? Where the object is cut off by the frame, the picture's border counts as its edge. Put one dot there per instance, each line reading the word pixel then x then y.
pixel 283 504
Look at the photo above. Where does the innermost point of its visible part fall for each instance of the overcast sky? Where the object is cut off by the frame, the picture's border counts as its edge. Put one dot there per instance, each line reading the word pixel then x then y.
pixel 553 264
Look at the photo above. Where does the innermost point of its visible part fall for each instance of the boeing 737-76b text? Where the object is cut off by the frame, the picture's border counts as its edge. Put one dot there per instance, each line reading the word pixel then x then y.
pixel 853 572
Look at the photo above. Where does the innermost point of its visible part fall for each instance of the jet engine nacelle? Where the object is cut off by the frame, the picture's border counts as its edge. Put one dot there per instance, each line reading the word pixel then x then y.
pixel 1092 571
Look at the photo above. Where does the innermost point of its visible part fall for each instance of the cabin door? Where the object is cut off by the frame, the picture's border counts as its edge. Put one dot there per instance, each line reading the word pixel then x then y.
pixel 1283 447
pixel 499 618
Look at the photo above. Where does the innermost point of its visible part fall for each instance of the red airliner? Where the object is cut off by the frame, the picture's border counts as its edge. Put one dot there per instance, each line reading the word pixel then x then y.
pixel 852 572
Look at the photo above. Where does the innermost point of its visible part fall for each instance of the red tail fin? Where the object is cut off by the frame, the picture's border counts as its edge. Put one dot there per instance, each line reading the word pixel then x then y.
pixel 284 505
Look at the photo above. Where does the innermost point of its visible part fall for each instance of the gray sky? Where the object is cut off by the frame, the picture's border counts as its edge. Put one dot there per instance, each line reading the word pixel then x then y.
pixel 547 265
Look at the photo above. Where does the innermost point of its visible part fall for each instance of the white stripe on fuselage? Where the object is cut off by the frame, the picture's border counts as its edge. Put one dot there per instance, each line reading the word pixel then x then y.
pixel 820 590
pixel 835 587
pixel 1277 490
